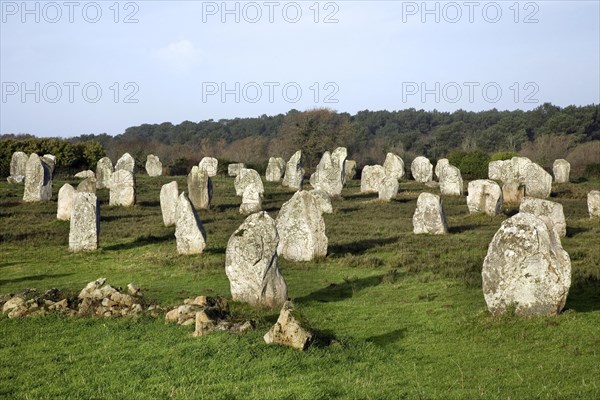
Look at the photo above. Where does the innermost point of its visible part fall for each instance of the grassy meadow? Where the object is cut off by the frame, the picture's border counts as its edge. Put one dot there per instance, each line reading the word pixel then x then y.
pixel 399 316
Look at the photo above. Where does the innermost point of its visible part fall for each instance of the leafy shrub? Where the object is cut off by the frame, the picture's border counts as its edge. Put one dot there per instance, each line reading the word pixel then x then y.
pixel 592 171
pixel 503 155
pixel 473 165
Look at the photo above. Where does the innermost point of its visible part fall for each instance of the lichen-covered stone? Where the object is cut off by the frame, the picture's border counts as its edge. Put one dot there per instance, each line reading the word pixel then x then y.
pixel 350 169
pixel 104 170
pixel 122 188
pixel 38 180
pixel 65 202
pixel 548 211
pixel 484 196
pixel 169 194
pixel 429 216
pixel 393 166
pixel 126 162
pixel 593 202
pixel 421 169
pixel 294 173
pixel 275 169
pixel 189 232
pixel 371 178
pixel 85 222
pixel 330 175
pixel 388 189
pixel 439 167
pixel 561 169
pixel 323 200
pixel 210 164
pixel 451 183
pixel 153 165
pixel 200 188
pixel 234 169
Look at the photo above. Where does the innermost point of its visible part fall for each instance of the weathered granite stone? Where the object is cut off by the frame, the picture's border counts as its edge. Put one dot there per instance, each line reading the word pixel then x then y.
pixel 50 161
pixel 290 329
pixel 371 178
pixel 561 169
pixel 104 170
pixel 513 193
pixel 485 196
pixel 85 222
pixel 439 167
pixel 248 177
pixel 251 263
pixel 126 162
pixel 350 169
pixel 87 185
pixel 301 228
pixel 38 180
pixel 388 189
pixel 210 164
pixel 323 200
pixel 526 269
pixel 169 194
pixel 421 169
pixel 393 166
pixel 251 200
pixel 153 165
pixel 18 164
pixel 65 202
pixel 548 211
pixel 189 232
pixel 451 183
pixel 200 188
pixel 122 188
pixel 275 169
pixel 330 175
pixel 538 182
pixel 593 202
pixel 496 169
pixel 429 216
pixel 85 174
pixel 294 173
pixel 234 168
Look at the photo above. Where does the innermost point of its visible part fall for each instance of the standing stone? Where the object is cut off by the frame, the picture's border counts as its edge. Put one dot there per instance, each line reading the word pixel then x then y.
pixel 38 180
pixel 85 223
pixel 561 169
pixel 294 173
pixel 50 161
pixel 199 188
pixel 122 188
pixel 65 202
pixel 371 178
pixel 439 167
pixel 234 169
pixel 248 177
pixel 451 183
pixel 429 217
pixel 593 202
pixel 18 165
pixel 350 169
pixel 330 176
pixel 548 211
pixel 538 182
pixel 189 232
pixel 301 229
pixel 126 162
pixel 87 185
pixel 169 193
pixel 495 169
pixel 526 268
pixel 484 196
pixel 251 263
pixel 251 200
pixel 275 169
pixel 209 164
pixel 104 170
pixel 388 188
pixel 393 166
pixel 153 165
pixel 85 174
pixel 513 193
pixel 421 169
pixel 323 200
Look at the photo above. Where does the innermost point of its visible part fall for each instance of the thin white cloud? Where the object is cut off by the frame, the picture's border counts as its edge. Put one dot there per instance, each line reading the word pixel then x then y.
pixel 181 56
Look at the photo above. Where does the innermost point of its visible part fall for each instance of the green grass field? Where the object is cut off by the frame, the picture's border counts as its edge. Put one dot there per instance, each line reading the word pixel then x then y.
pixel 399 315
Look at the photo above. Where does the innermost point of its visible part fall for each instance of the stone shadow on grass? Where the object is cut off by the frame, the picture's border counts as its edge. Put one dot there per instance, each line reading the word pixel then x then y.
pixel 387 338
pixel 584 297
pixel 360 246
pixel 572 231
pixel 32 278
pixel 340 291
pixel 140 241
pixel 462 228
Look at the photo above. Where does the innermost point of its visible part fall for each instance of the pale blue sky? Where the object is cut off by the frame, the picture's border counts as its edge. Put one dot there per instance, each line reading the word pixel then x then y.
pixel 178 56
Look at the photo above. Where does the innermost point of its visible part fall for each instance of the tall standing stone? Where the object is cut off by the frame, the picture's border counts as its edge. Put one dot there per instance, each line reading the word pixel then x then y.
pixel 301 228
pixel 104 171
pixel 210 164
pixel 421 169
pixel 199 188
pixel 18 165
pixel 495 169
pixel 526 269
pixel 535 180
pixel 85 223
pixel 50 161
pixel 38 180
pixel 251 263
pixel 294 173
pixel 189 232
pixel 153 165
pixel 126 162
pixel 439 167
pixel 548 211
pixel 65 202
pixel 561 169
pixel 350 169
pixel 275 169
pixel 235 168
pixel 388 188
pixel 538 182
pixel 451 182
pixel 372 178
pixel 323 200
pixel 429 216
pixel 248 177
pixel 593 202
pixel 169 194
pixel 87 185
pixel 251 200
pixel 394 166
pixel 484 196
pixel 329 175
pixel 122 188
